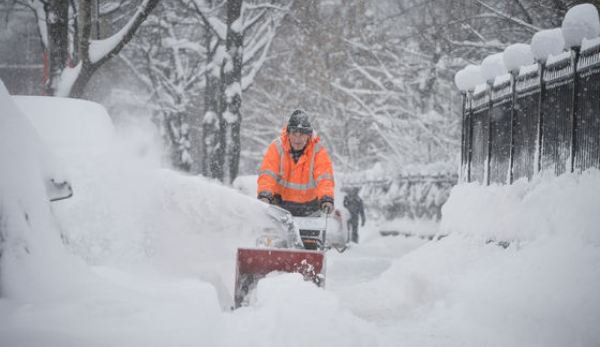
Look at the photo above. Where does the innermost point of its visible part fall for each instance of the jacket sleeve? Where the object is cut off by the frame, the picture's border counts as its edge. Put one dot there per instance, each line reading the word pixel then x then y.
pixel 269 171
pixel 323 174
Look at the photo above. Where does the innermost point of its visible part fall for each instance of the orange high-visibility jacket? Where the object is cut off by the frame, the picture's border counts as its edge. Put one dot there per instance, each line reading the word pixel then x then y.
pixel 307 182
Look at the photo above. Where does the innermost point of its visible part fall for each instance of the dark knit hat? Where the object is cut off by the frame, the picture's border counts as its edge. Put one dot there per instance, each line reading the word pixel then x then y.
pixel 299 122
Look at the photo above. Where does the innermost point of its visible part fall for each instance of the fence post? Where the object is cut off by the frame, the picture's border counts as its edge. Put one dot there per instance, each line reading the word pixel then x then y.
pixel 463 143
pixel 540 114
pixel 469 135
pixel 511 153
pixel 489 138
pixel 575 58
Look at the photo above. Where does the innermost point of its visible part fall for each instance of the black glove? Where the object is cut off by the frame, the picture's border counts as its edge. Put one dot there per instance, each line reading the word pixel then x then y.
pixel 265 197
pixel 327 207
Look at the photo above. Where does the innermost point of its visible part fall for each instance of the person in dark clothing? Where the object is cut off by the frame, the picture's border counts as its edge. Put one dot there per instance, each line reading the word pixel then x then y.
pixel 355 206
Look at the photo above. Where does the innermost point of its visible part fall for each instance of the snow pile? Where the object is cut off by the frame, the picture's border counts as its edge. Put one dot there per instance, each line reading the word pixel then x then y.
pixel 547 42
pixel 580 22
pixel 468 78
pixel 467 293
pixel 126 211
pixel 493 66
pixel 541 290
pixel 517 55
pixel 289 312
pixel 32 257
pixel 62 123
pixel 566 206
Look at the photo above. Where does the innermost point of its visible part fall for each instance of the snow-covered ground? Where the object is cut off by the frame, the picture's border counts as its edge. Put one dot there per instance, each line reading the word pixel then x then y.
pixel 147 256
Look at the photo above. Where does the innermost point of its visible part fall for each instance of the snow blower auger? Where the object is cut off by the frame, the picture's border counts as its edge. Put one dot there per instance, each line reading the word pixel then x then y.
pixel 297 246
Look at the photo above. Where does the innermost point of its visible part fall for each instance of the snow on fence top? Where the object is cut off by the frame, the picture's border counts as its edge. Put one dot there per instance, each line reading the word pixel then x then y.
pixel 493 66
pixel 553 59
pixel 590 43
pixel 517 55
pixel 580 22
pixel 580 25
pixel 468 78
pixel 547 42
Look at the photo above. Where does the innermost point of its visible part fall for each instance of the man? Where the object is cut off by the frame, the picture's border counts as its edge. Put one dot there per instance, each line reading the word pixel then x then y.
pixel 355 206
pixel 296 172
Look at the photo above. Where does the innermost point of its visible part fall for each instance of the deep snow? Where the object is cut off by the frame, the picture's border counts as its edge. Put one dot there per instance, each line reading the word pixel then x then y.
pixel 148 257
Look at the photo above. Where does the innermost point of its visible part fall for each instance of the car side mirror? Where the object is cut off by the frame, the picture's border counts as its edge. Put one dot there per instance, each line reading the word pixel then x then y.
pixel 58 190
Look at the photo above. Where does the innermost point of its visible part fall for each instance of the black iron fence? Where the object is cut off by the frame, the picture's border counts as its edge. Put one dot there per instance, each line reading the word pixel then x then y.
pixel 545 118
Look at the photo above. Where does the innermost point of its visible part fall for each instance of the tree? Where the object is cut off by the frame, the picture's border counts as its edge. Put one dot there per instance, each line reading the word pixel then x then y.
pixel 66 33
pixel 231 90
pixel 168 57
pixel 198 56
pixel 236 49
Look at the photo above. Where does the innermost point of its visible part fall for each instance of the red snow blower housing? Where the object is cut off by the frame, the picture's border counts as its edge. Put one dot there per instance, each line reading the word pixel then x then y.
pixel 297 245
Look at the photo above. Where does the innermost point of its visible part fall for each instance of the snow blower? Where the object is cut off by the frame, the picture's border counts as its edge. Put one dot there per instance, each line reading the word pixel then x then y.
pixel 297 244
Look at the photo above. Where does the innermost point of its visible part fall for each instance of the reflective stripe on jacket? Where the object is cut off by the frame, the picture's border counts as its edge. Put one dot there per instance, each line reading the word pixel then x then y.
pixel 310 179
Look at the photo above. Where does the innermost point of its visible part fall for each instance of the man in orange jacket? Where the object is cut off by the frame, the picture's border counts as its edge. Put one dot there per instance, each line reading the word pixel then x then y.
pixel 296 172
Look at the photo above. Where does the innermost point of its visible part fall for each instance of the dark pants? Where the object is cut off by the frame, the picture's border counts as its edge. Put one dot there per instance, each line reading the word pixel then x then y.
pixel 353 227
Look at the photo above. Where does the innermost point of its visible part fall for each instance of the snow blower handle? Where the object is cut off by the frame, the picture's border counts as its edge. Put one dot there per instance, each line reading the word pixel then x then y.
pixel 325 231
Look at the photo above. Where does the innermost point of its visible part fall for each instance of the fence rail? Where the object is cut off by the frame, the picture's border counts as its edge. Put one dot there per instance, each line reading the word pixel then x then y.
pixel 545 118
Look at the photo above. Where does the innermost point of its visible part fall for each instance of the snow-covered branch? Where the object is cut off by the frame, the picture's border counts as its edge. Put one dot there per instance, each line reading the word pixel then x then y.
pixel 101 50
pixel 513 19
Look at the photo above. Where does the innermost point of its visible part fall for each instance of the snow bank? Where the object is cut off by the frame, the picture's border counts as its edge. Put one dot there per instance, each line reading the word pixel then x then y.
pixel 464 291
pixel 287 311
pixel 525 211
